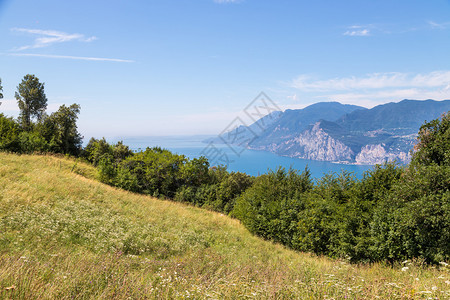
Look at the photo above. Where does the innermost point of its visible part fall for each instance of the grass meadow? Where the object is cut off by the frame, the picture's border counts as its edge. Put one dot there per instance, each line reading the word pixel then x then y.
pixel 64 235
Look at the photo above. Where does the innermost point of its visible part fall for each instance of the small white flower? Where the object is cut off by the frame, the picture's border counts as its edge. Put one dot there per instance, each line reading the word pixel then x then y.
pixel 404 269
pixel 434 288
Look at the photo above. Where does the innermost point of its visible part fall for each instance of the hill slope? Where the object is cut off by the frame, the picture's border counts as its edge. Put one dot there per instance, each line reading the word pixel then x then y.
pixel 66 236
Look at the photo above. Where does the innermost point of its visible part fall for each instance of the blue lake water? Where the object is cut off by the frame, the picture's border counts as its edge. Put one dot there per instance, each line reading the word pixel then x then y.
pixel 238 159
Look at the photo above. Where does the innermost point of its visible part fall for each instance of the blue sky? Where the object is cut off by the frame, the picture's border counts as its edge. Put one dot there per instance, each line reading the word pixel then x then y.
pixel 163 67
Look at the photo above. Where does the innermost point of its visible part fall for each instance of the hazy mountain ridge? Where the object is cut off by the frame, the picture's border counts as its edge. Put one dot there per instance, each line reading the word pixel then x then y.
pixel 330 131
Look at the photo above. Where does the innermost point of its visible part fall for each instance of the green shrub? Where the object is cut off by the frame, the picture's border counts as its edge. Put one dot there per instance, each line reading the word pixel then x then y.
pixel 9 134
pixel 414 220
pixel 269 208
pixel 31 141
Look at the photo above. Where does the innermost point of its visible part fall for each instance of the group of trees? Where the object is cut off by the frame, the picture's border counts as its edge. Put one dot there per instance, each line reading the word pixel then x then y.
pixel 161 173
pixel 393 213
pixel 35 130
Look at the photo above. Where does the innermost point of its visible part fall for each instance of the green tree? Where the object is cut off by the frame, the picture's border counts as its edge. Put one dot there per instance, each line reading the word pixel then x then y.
pixel 414 220
pixel 231 187
pixel 9 134
pixel 269 208
pixel 195 172
pixel 65 134
pixel 433 143
pixel 31 99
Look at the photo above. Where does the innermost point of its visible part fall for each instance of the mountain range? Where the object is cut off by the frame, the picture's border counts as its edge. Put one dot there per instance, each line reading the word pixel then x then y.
pixel 331 131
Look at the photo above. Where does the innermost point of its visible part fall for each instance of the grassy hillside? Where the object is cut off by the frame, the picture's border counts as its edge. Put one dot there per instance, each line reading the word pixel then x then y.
pixel 64 235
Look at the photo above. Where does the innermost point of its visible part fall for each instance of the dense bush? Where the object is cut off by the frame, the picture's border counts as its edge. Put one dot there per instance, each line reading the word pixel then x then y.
pixel 414 219
pixel 9 134
pixel 269 208
pixel 433 145
pixel 95 150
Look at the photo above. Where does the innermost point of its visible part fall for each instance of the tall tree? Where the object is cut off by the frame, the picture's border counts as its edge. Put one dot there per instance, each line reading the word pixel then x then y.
pixel 66 135
pixel 31 99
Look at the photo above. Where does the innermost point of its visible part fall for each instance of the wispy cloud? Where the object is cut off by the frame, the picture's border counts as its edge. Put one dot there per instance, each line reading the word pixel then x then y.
pixel 436 25
pixel 71 57
pixel 45 38
pixel 376 88
pixel 357 30
pixel 374 81
pixel 373 98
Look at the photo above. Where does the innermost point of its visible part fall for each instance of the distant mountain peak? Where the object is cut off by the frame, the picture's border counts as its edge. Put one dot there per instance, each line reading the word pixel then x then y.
pixel 348 133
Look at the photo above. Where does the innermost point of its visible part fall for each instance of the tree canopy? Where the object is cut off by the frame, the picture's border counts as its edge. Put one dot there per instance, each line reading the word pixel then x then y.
pixel 433 143
pixel 31 99
pixel 64 127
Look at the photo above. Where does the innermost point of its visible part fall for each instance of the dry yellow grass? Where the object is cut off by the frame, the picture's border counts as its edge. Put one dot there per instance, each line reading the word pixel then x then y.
pixel 65 236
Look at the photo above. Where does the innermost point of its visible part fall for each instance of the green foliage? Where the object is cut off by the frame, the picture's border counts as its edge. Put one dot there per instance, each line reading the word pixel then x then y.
pixel 31 141
pixel 64 125
pixel 9 134
pixel 194 172
pixel 355 240
pixel 414 220
pixel 127 180
pixel 229 189
pixel 107 169
pixel 155 170
pixel 269 207
pixel 95 149
pixel 31 99
pixel 121 151
pixel 323 215
pixel 433 145
pixel 56 133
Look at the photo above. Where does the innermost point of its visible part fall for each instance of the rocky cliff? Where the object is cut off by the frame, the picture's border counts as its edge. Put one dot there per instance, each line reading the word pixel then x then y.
pixel 334 132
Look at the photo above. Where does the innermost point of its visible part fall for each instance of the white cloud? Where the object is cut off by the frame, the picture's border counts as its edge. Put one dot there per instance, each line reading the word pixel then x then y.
pixel 371 99
pixel 45 38
pixel 292 97
pixel 360 32
pixel 71 57
pixel 374 81
pixel 377 88
pixel 436 25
